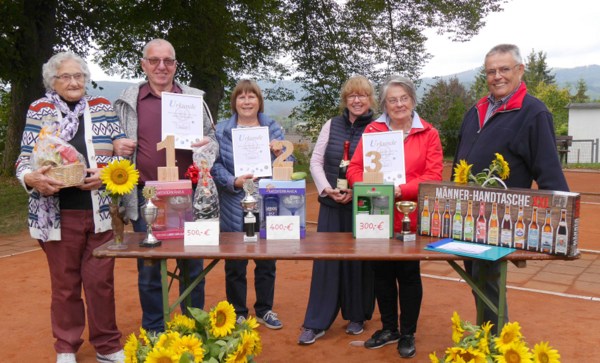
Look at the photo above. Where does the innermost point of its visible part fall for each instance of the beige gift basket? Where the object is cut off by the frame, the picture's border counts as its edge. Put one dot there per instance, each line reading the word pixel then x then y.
pixel 67 164
pixel 72 175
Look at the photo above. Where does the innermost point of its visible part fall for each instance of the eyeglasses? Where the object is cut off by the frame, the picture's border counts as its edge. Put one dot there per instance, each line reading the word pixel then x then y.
pixel 502 70
pixel 356 97
pixel 168 62
pixel 402 100
pixel 67 77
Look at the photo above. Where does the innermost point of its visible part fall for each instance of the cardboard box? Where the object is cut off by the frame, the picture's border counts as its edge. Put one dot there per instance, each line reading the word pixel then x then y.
pixel 174 202
pixel 370 198
pixel 529 219
pixel 282 198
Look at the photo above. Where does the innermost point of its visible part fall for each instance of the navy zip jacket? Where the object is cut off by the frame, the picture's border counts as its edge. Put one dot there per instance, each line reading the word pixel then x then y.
pixel 522 131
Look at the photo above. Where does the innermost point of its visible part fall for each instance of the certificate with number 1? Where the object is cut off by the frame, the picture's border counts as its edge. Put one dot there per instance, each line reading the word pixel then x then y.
pixel 251 152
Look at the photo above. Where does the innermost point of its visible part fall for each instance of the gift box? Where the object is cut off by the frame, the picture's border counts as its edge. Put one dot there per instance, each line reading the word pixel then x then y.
pixel 528 219
pixel 374 199
pixel 282 198
pixel 174 202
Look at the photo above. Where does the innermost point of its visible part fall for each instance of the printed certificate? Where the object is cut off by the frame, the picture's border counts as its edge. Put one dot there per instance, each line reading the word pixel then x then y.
pixel 182 116
pixel 251 152
pixel 390 146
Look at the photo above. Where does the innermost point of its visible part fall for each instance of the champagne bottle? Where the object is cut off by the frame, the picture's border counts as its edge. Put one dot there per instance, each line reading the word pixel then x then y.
pixel 561 234
pixel 469 223
pixel 547 232
pixel 457 224
pixel 436 230
pixel 481 225
pixel 519 237
pixel 446 220
pixel 493 226
pixel 425 222
pixel 506 231
pixel 342 181
pixel 533 235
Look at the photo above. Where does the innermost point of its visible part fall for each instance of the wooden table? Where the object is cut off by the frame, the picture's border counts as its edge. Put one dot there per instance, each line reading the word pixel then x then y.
pixel 316 246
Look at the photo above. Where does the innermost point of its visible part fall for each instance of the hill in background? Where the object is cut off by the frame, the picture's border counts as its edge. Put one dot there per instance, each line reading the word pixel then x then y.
pixel 565 77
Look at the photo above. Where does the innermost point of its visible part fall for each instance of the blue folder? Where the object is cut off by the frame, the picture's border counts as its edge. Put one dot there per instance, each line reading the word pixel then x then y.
pixel 493 253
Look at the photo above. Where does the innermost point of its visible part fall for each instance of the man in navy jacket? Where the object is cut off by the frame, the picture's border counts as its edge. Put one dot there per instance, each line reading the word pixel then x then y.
pixel 511 122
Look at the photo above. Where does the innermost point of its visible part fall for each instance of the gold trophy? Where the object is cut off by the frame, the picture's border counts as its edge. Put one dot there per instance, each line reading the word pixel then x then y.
pixel 406 207
pixel 149 213
pixel 249 205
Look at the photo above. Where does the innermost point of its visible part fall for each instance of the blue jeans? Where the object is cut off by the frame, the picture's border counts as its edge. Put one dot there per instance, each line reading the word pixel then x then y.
pixel 149 284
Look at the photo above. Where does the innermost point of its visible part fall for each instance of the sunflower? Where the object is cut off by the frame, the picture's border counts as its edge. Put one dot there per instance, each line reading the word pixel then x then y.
pixel 181 324
pixel 144 336
pixel 257 343
pixel 516 352
pixel 168 339
pixel 238 356
pixel 501 167
pixel 457 329
pixel 543 353
pixel 462 172
pixel 191 344
pixel 130 348
pixel 222 319
pixel 433 358
pixel 251 322
pixel 511 333
pixel 120 176
pixel 162 355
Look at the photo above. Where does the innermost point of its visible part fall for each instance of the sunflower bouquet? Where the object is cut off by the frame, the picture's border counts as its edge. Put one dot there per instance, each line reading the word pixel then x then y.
pixel 491 176
pixel 210 337
pixel 475 344
pixel 119 177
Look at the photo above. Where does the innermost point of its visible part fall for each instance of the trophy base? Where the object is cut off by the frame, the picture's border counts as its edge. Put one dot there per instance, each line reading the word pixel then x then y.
pixel 406 237
pixel 251 238
pixel 146 243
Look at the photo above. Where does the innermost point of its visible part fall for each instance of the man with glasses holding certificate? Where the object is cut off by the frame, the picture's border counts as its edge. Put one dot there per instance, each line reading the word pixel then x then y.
pixel 139 108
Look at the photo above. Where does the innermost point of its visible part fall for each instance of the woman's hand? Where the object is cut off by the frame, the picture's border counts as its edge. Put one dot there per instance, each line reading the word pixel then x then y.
pixel 398 192
pixel 276 147
pixel 124 147
pixel 339 196
pixel 38 180
pixel 205 140
pixel 238 182
pixel 92 181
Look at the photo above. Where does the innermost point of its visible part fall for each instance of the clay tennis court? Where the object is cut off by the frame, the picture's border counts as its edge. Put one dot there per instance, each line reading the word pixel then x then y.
pixel 553 301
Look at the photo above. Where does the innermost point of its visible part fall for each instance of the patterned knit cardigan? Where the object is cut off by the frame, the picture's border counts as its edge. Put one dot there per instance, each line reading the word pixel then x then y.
pixel 99 135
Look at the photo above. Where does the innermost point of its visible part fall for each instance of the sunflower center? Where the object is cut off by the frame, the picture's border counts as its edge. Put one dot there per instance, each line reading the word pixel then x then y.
pixel 513 357
pixel 119 176
pixel 543 358
pixel 221 318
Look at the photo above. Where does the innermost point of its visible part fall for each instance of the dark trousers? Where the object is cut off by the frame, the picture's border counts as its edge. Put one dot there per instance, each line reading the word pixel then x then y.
pixel 73 267
pixel 264 285
pixel 150 287
pixel 491 287
pixel 398 280
pixel 335 285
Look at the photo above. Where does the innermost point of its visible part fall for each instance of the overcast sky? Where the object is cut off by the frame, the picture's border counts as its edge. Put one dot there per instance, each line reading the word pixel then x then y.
pixel 567 31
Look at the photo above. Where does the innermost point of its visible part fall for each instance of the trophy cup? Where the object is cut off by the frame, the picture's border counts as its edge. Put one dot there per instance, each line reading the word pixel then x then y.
pixel 406 207
pixel 248 205
pixel 149 213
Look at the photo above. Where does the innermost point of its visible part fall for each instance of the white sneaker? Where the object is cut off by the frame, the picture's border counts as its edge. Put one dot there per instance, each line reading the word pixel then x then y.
pixel 116 357
pixel 66 358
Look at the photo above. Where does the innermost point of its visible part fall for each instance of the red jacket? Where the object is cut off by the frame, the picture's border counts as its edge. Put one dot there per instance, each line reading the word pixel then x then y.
pixel 423 160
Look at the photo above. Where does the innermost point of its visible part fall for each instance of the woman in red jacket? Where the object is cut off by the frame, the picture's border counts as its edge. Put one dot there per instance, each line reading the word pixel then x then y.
pixel 401 280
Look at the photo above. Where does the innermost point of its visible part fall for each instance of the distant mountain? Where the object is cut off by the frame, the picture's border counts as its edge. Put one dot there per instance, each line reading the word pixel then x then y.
pixel 565 77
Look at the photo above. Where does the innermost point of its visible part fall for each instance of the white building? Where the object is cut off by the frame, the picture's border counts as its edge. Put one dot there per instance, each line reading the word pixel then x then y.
pixel 584 127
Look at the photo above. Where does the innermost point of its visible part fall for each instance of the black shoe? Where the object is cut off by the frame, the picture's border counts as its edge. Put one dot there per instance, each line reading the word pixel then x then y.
pixel 406 346
pixel 381 338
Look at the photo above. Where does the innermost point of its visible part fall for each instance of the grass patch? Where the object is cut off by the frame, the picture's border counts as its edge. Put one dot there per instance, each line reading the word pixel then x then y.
pixel 13 206
pixel 593 166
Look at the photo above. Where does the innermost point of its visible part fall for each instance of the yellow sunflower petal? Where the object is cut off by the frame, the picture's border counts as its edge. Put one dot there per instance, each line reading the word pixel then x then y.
pixel 543 353
pixel 120 176
pixel 222 319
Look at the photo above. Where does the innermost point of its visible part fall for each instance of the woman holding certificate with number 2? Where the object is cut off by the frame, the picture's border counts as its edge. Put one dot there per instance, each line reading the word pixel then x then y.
pixel 247 107
pixel 401 280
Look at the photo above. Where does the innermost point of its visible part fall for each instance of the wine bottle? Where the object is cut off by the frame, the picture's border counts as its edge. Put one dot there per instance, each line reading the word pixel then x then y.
pixel 342 181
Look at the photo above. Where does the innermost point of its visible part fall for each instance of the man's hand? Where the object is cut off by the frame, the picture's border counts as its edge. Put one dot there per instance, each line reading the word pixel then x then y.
pixel 124 147
pixel 199 143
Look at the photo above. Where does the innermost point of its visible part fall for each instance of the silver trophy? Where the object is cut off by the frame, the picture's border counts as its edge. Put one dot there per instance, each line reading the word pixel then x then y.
pixel 406 207
pixel 249 205
pixel 149 213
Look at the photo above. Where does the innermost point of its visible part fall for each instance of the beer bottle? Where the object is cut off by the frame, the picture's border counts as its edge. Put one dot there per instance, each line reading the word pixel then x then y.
pixel 506 231
pixel 469 223
pixel 457 224
pixel 547 232
pixel 481 225
pixel 533 234
pixel 425 222
pixel 519 230
pixel 363 205
pixel 436 228
pixel 447 220
pixel 493 226
pixel 561 234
